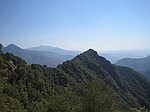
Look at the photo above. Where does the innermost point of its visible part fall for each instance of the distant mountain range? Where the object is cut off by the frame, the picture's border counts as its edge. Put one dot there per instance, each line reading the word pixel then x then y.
pixel 43 55
pixel 53 56
pixel 54 49
pixel 114 56
pixel 141 65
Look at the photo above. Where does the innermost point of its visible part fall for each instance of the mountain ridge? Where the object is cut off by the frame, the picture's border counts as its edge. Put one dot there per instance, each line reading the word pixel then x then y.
pixel 54 49
pixel 114 76
pixel 115 56
pixel 37 57
pixel 38 87
pixel 139 64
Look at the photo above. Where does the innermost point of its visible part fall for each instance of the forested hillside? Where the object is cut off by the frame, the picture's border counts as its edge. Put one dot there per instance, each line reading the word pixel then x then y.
pixel 87 83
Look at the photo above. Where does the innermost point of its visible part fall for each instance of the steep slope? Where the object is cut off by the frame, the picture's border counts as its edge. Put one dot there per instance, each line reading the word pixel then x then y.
pixel 111 58
pixel 28 88
pixel 36 88
pixel 132 87
pixel 87 83
pixel 37 57
pixel 141 65
pixel 54 49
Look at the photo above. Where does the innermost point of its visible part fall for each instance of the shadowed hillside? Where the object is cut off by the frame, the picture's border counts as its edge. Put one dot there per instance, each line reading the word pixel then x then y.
pixel 141 65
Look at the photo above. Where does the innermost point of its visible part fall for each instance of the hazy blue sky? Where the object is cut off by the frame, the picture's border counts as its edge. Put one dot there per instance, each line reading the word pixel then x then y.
pixel 76 24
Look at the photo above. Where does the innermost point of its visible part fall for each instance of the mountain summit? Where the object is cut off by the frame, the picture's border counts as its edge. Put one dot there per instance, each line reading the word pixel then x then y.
pixel 86 83
pixel 13 48
pixel 91 55
pixel 37 57
pixel 91 51
pixel 127 82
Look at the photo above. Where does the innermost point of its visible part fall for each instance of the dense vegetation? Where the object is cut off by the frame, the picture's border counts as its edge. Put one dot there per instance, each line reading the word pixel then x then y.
pixel 88 83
